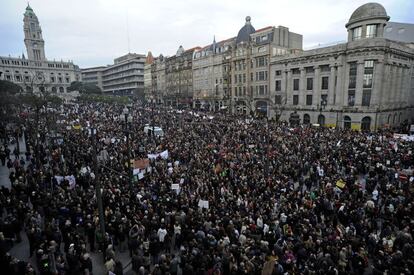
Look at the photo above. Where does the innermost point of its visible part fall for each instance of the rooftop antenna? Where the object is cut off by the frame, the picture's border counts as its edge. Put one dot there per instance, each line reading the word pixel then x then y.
pixel 127 25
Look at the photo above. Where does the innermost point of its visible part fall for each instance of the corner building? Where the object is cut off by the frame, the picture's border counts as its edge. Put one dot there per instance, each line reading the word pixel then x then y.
pixel 364 84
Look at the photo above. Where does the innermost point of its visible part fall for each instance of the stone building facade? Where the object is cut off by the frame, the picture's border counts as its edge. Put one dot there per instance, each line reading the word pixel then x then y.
pixel 147 76
pixel 234 74
pixel 158 79
pixel 211 75
pixel 36 73
pixel 179 78
pixel 363 84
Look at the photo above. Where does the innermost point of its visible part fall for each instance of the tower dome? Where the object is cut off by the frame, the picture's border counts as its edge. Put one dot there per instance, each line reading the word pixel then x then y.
pixel 368 11
pixel 367 21
pixel 245 31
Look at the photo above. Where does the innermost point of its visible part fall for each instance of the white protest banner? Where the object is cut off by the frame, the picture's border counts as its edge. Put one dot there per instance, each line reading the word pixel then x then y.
pixel 175 186
pixel 164 154
pixel 153 156
pixel 135 172
pixel 140 176
pixel 203 204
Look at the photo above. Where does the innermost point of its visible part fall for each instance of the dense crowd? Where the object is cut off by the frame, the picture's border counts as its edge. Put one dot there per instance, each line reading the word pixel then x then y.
pixel 281 200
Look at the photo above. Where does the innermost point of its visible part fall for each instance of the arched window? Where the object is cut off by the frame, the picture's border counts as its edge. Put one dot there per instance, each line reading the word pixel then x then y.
pixel 53 89
pixel 61 90
pixel 366 124
pixel 321 120
pixel 306 119
pixel 389 119
pixel 399 118
pixel 347 122
pixel 394 119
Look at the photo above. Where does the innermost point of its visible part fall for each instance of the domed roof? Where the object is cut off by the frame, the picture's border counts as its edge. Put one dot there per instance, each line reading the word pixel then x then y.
pixel 245 32
pixel 368 11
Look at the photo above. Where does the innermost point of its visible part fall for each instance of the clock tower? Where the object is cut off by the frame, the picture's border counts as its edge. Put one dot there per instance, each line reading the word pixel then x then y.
pixel 35 45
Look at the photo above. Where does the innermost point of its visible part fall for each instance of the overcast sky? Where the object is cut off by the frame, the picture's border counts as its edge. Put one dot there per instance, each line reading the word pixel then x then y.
pixel 94 32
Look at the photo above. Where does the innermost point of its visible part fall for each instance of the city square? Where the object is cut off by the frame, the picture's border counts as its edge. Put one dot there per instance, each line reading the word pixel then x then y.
pixel 249 155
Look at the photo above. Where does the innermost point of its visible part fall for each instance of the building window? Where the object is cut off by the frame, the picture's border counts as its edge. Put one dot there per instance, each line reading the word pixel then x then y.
pixel 262 89
pixel 60 80
pixel 296 84
pixel 309 70
pixel 367 80
pixel 352 75
pixel 325 68
pixel 278 85
pixel 351 97
pixel 356 33
pixel 244 78
pixel 325 83
pixel 279 72
pixel 260 76
pixel 324 100
pixel 67 79
pixel 366 97
pixel 261 61
pixel 308 99
pixel 295 99
pixel 278 99
pixel 309 84
pixel 296 71
pixel 52 79
pixel 371 31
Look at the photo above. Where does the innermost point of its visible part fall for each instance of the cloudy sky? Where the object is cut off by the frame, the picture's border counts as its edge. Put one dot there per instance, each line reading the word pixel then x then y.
pixel 94 32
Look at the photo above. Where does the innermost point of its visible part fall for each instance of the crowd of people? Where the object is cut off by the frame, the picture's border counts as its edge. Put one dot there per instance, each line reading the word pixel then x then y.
pixel 232 196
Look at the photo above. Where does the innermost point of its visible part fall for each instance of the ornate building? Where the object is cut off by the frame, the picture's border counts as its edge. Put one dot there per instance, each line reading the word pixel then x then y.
pixel 158 82
pixel 36 73
pixel 365 83
pixel 147 75
pixel 179 78
pixel 234 74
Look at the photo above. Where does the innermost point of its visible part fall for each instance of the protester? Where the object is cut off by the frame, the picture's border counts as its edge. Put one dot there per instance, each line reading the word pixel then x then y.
pixel 220 195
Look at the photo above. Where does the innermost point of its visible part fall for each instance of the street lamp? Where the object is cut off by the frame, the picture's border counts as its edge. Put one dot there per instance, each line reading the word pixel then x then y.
pixel 128 122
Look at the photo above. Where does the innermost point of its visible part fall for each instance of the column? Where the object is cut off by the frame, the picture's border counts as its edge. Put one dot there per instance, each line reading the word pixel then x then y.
pixel 302 87
pixel 287 87
pixel 404 89
pixel 342 85
pixel 400 79
pixel 316 87
pixel 359 83
pixel 386 90
pixel 378 85
pixel 393 82
pixel 332 87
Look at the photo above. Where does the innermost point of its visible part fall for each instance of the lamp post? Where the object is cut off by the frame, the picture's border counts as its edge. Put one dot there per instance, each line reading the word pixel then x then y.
pixel 128 121
pixel 97 182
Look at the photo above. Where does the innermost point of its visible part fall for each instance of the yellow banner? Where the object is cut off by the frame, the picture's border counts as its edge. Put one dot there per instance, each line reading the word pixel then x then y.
pixel 340 183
